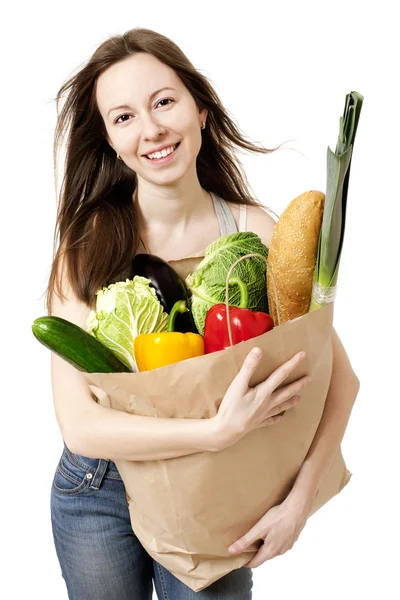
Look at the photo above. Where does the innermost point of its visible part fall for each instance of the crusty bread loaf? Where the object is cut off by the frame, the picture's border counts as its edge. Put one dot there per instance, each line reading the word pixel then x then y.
pixel 293 254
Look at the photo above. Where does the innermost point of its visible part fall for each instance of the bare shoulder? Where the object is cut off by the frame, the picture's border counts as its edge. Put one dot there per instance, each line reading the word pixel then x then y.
pixel 258 221
pixel 70 307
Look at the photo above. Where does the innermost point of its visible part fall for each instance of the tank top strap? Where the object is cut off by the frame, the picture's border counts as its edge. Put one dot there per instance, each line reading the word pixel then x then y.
pixel 242 217
pixel 227 223
pixel 226 220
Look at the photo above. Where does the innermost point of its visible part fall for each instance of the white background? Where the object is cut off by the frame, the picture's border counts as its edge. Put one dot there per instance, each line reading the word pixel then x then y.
pixel 283 70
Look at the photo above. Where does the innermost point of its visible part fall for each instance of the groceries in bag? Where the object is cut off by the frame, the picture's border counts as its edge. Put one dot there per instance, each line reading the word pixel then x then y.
pixel 76 346
pixel 245 323
pixel 207 283
pixel 155 350
pixel 123 310
pixel 169 287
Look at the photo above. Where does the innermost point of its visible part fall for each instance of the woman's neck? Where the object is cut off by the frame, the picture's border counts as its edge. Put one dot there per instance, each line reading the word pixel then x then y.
pixel 171 212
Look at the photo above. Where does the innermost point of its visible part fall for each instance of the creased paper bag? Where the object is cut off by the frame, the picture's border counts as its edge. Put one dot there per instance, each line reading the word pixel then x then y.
pixel 186 511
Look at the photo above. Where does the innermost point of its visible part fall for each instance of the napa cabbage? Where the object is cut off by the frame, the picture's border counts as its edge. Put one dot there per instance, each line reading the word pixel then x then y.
pixel 123 310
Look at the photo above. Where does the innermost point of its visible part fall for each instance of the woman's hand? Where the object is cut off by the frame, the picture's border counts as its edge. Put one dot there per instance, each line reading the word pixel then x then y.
pixel 279 529
pixel 243 409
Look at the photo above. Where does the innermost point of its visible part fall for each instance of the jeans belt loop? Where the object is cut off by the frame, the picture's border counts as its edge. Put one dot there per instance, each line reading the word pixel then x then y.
pixel 100 473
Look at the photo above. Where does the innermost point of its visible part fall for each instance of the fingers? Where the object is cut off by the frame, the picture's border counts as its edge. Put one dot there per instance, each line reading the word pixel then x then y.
pixel 288 391
pixel 268 386
pixel 249 366
pixel 270 421
pixel 279 411
pixel 276 378
pixel 284 406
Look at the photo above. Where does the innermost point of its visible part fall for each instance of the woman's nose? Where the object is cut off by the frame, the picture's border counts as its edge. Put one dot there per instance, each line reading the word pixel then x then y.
pixel 151 128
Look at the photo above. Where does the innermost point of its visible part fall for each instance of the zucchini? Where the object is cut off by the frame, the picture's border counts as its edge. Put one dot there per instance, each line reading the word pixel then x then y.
pixel 75 345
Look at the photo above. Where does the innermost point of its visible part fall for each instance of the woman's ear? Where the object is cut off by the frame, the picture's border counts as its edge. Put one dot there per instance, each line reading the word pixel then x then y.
pixel 203 115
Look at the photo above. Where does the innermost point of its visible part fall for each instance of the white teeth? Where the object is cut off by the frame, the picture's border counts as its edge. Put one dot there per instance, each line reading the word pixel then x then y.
pixel 163 153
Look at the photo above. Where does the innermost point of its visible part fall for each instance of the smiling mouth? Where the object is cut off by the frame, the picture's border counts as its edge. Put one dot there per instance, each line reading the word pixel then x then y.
pixel 175 147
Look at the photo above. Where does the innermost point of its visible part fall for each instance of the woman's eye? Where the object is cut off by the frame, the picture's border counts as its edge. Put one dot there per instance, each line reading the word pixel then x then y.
pixel 120 116
pixel 164 100
pixel 117 120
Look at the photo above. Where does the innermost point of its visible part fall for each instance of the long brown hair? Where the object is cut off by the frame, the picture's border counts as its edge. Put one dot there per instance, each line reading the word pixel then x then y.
pixel 97 225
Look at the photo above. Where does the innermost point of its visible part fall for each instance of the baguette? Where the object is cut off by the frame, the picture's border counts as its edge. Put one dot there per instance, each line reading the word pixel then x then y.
pixel 292 256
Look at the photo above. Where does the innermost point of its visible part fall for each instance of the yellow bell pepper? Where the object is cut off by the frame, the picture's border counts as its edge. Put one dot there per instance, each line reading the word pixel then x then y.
pixel 158 349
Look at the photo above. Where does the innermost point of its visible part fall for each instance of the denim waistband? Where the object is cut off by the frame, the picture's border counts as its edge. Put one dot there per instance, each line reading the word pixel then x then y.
pixel 99 467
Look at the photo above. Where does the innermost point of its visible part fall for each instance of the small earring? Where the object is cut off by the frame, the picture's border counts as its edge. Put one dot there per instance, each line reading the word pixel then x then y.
pixel 118 156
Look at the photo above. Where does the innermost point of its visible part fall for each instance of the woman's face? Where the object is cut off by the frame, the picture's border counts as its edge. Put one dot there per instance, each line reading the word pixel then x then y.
pixel 145 123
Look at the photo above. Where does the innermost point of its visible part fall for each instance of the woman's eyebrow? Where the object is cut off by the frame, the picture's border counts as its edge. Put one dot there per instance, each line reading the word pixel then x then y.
pixel 151 96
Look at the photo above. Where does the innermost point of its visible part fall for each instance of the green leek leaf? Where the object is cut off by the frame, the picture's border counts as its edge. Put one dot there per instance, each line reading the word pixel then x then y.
pixel 331 236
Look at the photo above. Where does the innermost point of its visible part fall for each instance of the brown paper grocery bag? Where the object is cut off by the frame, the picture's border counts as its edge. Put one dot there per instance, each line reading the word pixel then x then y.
pixel 186 511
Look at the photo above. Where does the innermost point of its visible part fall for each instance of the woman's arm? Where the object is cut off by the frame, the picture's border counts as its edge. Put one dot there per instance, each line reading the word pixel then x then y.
pixel 281 525
pixel 343 390
pixel 96 431
pixel 342 393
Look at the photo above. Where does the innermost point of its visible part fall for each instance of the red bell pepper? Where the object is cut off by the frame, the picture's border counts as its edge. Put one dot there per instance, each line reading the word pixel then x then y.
pixel 245 323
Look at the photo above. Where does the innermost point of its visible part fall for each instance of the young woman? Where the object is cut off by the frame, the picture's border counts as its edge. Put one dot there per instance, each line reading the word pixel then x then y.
pixel 149 167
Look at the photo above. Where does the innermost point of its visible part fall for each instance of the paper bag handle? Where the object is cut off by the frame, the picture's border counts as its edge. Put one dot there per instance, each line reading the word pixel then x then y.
pixel 227 290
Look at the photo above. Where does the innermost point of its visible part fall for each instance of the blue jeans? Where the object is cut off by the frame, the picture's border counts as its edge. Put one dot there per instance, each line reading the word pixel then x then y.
pixel 100 556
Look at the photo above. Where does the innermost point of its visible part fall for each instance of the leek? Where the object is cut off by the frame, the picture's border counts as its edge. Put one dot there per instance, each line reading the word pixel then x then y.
pixel 334 216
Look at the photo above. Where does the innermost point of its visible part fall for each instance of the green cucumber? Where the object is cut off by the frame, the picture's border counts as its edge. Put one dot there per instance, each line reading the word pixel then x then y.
pixel 76 346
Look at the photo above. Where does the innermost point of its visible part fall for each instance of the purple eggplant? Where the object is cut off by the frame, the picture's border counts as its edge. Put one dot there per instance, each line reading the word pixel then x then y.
pixel 169 287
